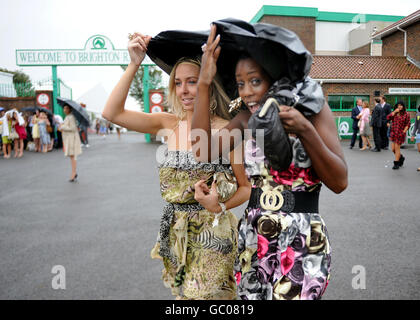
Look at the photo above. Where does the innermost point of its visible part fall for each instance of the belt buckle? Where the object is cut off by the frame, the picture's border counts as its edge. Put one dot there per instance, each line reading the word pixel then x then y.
pixel 275 198
pixel 272 200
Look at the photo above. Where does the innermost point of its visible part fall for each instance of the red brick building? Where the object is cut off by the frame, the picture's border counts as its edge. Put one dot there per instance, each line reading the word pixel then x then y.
pixel 401 38
pixel 357 55
pixel 347 78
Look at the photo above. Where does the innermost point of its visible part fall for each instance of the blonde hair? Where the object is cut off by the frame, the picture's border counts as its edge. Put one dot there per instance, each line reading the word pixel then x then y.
pixel 219 101
pixel 365 103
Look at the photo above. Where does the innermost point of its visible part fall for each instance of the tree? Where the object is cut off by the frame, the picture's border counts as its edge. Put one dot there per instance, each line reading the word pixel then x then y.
pixel 136 88
pixel 20 77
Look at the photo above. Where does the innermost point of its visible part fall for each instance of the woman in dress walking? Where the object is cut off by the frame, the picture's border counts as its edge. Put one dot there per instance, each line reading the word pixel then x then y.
pixel 399 127
pixel 71 140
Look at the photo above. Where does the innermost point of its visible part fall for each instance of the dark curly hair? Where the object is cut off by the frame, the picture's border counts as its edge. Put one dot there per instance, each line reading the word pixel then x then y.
pixel 402 104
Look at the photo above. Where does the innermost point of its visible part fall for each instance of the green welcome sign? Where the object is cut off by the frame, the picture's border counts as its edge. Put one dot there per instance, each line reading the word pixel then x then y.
pixel 98 51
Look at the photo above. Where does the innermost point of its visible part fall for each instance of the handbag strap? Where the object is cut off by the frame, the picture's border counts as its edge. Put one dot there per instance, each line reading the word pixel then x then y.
pixel 267 105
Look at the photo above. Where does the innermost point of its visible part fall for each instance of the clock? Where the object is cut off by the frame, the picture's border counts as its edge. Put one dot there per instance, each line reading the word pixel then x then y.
pixel 43 99
pixel 156 98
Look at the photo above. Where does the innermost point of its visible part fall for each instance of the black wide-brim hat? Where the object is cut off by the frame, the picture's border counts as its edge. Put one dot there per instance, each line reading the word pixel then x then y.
pixel 278 50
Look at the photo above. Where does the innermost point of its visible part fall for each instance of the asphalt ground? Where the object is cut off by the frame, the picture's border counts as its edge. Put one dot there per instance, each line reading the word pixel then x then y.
pixel 102 228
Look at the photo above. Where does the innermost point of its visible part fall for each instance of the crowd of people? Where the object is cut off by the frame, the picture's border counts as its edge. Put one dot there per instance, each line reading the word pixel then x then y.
pixel 36 131
pixel 385 124
pixel 33 131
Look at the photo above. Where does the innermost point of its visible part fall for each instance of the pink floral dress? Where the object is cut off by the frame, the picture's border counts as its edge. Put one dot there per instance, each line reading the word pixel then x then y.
pixel 283 247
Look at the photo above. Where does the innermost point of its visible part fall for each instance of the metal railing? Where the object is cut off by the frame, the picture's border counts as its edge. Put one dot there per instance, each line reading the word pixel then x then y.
pixel 64 90
pixel 16 90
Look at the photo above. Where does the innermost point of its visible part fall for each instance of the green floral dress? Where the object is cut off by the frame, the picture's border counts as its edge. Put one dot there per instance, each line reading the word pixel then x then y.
pixel 197 247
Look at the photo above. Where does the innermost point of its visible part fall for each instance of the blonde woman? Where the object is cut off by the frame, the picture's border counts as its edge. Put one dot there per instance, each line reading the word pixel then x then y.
pixel 36 136
pixel 197 240
pixel 364 126
pixel 44 135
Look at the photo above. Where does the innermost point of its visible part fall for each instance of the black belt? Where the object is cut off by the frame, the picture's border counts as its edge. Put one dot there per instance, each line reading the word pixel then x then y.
pixel 294 201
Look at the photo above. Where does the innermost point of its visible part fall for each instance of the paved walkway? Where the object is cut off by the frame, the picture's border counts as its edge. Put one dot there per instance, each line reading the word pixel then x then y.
pixel 101 229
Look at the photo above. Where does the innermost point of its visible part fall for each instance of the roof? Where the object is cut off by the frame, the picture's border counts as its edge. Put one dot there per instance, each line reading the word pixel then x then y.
pixel 405 22
pixel 321 15
pixel 363 68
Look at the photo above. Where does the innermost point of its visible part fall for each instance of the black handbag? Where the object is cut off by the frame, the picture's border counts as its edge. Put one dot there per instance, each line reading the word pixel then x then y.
pixel 306 96
pixel 277 147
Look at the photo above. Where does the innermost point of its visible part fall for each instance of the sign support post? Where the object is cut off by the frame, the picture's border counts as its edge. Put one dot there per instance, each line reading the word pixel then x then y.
pixel 55 91
pixel 146 96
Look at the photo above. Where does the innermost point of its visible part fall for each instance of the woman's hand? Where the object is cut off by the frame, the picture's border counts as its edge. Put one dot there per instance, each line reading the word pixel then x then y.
pixel 293 121
pixel 211 52
pixel 137 47
pixel 397 110
pixel 208 198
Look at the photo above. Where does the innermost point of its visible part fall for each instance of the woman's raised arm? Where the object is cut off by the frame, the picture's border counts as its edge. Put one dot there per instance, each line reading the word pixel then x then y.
pixel 114 108
pixel 209 147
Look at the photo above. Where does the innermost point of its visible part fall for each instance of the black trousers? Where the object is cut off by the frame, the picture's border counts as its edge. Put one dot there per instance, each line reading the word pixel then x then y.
pixel 354 137
pixel 384 136
pixel 377 137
